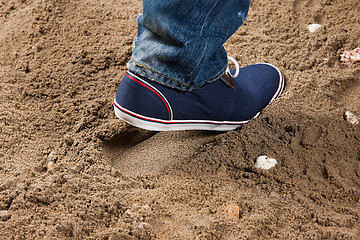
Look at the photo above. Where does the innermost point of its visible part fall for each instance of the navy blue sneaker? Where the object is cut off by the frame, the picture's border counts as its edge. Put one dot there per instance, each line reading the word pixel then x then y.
pixel 222 105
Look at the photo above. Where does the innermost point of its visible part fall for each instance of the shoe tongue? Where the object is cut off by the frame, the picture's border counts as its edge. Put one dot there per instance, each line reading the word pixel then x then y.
pixel 226 77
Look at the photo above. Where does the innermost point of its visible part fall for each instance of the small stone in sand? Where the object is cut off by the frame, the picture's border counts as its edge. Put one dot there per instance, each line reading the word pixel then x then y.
pixel 50 161
pixel 313 27
pixel 232 210
pixel 351 118
pixel 264 162
pixel 348 58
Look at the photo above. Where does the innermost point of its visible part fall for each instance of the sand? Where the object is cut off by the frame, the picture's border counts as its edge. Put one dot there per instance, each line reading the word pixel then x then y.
pixel 60 65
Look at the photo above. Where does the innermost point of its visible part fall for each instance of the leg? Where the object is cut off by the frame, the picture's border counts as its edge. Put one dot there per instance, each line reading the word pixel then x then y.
pixel 176 79
pixel 180 42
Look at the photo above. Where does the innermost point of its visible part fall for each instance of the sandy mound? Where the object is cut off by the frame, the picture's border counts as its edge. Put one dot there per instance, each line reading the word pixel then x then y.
pixel 60 67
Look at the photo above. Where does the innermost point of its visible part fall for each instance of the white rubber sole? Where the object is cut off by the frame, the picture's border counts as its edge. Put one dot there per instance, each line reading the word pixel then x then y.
pixel 173 125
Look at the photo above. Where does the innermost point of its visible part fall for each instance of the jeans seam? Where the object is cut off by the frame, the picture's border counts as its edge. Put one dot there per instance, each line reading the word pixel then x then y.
pixel 206 18
pixel 180 83
pixel 201 31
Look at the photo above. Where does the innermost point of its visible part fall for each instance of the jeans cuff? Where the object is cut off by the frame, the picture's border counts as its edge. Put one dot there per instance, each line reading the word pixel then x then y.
pixel 152 75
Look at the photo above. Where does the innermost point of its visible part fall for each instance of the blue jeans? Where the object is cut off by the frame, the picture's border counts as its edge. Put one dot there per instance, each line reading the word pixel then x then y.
pixel 180 42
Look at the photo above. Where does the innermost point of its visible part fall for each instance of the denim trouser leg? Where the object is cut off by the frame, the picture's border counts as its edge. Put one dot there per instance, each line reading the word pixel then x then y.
pixel 180 42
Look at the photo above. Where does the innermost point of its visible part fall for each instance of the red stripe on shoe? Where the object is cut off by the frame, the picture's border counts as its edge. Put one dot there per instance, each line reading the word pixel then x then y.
pixel 280 87
pixel 166 104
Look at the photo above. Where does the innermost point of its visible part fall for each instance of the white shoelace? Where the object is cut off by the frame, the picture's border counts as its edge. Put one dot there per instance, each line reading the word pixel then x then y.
pixel 236 65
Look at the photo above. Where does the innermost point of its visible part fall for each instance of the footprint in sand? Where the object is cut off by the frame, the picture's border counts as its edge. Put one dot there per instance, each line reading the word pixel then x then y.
pixel 137 152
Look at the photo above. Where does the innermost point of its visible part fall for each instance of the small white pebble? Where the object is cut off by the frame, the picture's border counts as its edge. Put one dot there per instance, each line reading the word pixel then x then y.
pixel 146 207
pixel 50 161
pixel 264 162
pixel 129 212
pixel 351 118
pixel 50 166
pixel 141 224
pixel 313 27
